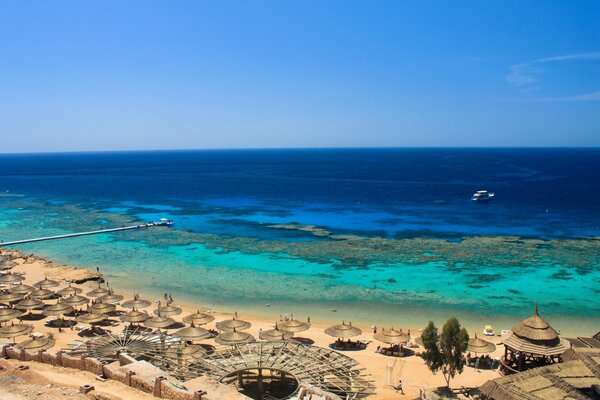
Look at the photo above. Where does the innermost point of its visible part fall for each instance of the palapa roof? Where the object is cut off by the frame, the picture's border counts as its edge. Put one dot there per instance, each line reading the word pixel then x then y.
pixel 135 316
pixel 343 331
pixel 159 322
pixel 6 314
pixel 29 304
pixel 10 297
pixel 21 289
pixel 136 303
pixel 102 308
pixel 41 293
pixel 234 337
pixel 37 343
pixel 293 325
pixel 46 283
pixel 10 278
pixel 91 318
pixel 69 291
pixel 14 330
pixel 185 352
pixel 572 379
pixel 76 300
pixel 111 298
pixel 98 292
pixel 391 336
pixel 59 308
pixel 229 325
pixel 168 310
pixel 193 332
pixel 535 336
pixel 477 345
pixel 198 318
pixel 274 335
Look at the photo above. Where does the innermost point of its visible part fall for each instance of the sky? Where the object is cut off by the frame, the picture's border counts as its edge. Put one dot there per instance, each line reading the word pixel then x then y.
pixel 125 75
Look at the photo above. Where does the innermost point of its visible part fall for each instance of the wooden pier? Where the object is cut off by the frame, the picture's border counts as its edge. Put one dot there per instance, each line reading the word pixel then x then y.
pixel 69 235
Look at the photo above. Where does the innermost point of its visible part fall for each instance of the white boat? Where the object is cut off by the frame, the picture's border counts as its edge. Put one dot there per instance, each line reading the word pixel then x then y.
pixel 482 196
pixel 488 331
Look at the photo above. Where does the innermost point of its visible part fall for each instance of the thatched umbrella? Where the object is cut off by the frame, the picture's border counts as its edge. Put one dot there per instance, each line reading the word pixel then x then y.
pixel 193 332
pixel 168 310
pixel 10 297
pixel 60 308
pixel 135 317
pixel 76 300
pixel 136 303
pixel 41 294
pixel 187 352
pixel 480 346
pixel 293 325
pixel 102 308
pixel 232 324
pixel 37 343
pixel 10 278
pixel 29 304
pixel 275 335
pixel 69 291
pixel 13 330
pixel 6 314
pixel 5 265
pixel 21 289
pixel 91 318
pixel 343 331
pixel 98 292
pixel 111 298
pixel 46 283
pixel 234 337
pixel 159 322
pixel 391 336
pixel 198 318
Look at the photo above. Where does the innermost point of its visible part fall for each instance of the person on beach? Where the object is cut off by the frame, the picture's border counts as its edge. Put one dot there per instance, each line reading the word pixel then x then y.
pixel 398 387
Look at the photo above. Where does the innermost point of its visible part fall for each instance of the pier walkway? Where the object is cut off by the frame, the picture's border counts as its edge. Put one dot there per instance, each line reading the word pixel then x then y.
pixel 162 222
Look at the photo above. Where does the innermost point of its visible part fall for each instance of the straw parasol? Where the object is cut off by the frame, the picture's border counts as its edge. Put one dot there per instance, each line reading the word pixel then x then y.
pixel 186 352
pixel 41 294
pixel 111 298
pixel 159 322
pixel 6 264
pixel 391 336
pixel 480 346
pixel 168 310
pixel 69 291
pixel 343 331
pixel 293 325
pixel 46 283
pixel 193 332
pixel 37 343
pixel 13 330
pixel 275 335
pixel 29 304
pixel 198 318
pixel 101 308
pixel 135 317
pixel 21 289
pixel 136 303
pixel 98 292
pixel 6 314
pixel 10 297
pixel 229 325
pixel 76 300
pixel 91 318
pixel 10 278
pixel 60 308
pixel 234 337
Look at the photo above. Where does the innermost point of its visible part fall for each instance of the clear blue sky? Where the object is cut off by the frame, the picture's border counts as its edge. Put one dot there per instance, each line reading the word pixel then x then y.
pixel 106 75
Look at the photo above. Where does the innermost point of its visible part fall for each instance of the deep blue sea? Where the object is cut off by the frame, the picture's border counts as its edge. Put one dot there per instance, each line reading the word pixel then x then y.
pixel 381 234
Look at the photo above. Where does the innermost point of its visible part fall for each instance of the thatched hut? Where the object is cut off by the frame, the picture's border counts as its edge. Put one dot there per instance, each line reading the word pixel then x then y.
pixel 532 343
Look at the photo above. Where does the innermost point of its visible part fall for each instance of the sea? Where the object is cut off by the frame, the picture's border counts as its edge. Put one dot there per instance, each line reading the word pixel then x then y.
pixel 375 236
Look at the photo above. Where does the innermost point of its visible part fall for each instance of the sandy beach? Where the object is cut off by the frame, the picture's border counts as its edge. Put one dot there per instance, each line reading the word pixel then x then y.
pixel 411 370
